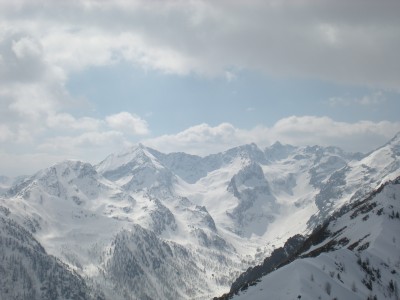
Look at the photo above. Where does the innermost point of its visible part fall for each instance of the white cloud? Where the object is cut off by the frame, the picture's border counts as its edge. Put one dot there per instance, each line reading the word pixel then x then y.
pixel 5 133
pixel 339 101
pixel 22 58
pixel 128 123
pixel 375 98
pixel 31 101
pixel 359 136
pixel 67 121
pixel 26 47
pixel 77 144
pixel 74 51
pixel 28 163
pixel 230 76
pixel 203 139
pixel 329 34
pixel 200 139
pixel 34 102
pixel 90 146
pixel 60 134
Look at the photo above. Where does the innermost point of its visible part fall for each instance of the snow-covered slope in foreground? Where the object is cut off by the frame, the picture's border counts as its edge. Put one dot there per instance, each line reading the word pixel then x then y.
pixel 355 255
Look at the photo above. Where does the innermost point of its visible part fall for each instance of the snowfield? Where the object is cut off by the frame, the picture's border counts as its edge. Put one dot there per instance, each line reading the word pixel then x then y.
pixel 365 261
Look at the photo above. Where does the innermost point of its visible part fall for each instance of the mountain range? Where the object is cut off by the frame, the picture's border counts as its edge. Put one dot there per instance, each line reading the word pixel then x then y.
pixel 288 222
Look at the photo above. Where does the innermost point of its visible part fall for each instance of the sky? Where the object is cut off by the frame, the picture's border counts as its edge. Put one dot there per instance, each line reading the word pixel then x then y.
pixel 80 79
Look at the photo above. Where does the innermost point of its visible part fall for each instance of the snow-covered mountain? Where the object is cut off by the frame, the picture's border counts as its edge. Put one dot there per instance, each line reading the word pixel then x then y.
pixel 5 183
pixel 148 225
pixel 138 170
pixel 28 272
pixel 355 180
pixel 354 255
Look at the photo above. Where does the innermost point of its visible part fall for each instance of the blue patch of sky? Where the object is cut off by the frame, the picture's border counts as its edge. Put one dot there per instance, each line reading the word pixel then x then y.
pixel 171 103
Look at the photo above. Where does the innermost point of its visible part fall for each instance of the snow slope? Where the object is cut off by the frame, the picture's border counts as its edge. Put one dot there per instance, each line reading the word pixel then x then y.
pixel 28 272
pixel 356 255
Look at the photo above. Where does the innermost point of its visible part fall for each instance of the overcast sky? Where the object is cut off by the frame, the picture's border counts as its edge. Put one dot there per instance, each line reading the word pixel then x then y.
pixel 82 79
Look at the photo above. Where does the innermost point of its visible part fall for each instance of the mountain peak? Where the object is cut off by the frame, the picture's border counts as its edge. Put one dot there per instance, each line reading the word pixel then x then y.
pixel 276 144
pixel 135 155
pixel 395 139
pixel 278 151
pixel 136 148
pixel 66 167
pixel 56 178
pixel 247 151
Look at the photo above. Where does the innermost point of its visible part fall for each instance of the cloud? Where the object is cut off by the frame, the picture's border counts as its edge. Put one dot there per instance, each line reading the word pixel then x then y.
pixel 34 101
pixel 26 48
pixel 347 42
pixel 77 144
pixel 67 121
pixel 229 76
pixel 361 136
pixel 5 133
pixel 21 58
pixel 28 163
pixel 203 139
pixel 94 145
pixel 59 133
pixel 376 98
pixel 89 146
pixel 43 44
pixel 128 123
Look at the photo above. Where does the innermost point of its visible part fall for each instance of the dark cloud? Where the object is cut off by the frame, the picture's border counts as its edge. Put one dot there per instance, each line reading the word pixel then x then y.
pixel 351 42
